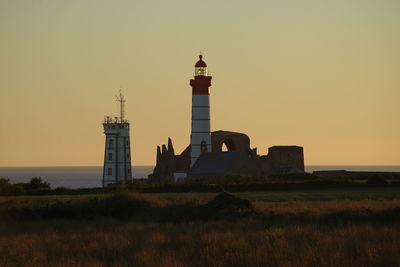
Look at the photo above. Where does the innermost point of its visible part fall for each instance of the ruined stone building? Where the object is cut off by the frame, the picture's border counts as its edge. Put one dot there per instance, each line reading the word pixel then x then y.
pixel 239 159
pixel 204 155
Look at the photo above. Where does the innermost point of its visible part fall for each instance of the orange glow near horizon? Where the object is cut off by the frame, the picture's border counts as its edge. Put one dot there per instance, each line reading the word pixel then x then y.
pixel 324 76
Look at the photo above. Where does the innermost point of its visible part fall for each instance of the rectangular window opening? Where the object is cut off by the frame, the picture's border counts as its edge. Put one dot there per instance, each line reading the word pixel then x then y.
pixel 111 144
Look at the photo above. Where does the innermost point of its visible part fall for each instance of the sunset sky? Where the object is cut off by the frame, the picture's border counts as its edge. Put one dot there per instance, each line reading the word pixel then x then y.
pixel 324 75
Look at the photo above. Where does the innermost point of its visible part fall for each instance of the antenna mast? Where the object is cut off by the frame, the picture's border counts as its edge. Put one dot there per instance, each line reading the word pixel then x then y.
pixel 121 100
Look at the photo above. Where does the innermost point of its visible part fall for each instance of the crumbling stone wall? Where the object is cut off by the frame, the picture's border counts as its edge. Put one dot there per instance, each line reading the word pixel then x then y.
pixel 286 159
pixel 241 160
pixel 165 164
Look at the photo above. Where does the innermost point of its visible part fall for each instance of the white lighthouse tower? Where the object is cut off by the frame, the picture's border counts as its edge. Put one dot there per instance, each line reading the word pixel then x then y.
pixel 200 138
pixel 117 154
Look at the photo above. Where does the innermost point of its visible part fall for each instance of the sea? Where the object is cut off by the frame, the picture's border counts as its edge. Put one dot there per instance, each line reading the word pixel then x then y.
pixel 91 176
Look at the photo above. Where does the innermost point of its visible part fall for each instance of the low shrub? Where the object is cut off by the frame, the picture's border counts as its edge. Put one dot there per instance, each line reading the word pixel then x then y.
pixel 228 206
pixel 377 181
pixel 118 205
pixel 35 185
pixel 7 189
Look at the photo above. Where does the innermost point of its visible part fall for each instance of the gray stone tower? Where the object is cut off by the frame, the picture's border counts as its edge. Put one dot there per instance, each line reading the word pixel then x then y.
pixel 117 155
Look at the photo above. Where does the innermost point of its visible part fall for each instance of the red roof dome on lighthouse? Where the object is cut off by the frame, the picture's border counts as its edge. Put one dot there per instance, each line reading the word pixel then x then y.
pixel 200 63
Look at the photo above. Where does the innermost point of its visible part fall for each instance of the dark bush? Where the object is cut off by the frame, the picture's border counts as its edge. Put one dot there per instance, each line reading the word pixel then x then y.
pixel 226 206
pixel 38 183
pixel 61 190
pixel 225 200
pixel 377 181
pixel 7 189
pixel 118 205
pixel 294 177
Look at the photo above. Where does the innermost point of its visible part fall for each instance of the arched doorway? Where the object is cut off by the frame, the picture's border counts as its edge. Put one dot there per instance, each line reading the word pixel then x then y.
pixel 224 148
pixel 223 141
pixel 228 145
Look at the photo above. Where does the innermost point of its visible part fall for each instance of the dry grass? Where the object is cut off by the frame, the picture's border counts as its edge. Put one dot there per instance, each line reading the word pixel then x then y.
pixel 240 243
pixel 300 235
pixel 325 207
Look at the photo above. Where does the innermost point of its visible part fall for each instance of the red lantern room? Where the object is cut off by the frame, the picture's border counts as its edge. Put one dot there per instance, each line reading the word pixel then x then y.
pixel 201 80
pixel 200 67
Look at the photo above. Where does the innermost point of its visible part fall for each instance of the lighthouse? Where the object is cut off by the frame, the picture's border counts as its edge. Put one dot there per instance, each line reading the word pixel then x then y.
pixel 117 154
pixel 200 138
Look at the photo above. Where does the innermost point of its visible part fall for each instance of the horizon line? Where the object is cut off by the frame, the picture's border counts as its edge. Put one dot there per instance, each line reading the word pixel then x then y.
pixel 333 165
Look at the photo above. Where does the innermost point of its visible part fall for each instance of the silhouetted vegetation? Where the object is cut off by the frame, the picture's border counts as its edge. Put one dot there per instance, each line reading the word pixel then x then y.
pixel 7 189
pixel 377 181
pixel 224 183
pixel 231 183
pixel 36 184
pixel 220 243
pixel 226 205
pixel 125 229
pixel 127 205
pixel 223 206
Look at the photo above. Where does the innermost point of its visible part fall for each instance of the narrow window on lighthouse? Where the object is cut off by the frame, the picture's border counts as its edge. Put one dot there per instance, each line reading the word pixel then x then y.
pixel 203 146
pixel 111 143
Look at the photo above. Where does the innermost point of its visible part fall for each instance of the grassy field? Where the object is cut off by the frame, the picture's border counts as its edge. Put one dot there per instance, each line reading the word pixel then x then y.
pixel 288 228
pixel 220 243
pixel 378 193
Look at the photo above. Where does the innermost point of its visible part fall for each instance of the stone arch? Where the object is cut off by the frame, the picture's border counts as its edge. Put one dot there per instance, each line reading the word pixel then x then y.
pixel 233 141
pixel 229 143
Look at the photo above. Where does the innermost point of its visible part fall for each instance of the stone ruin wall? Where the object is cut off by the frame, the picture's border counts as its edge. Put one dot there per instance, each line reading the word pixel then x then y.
pixel 286 159
pixel 280 159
